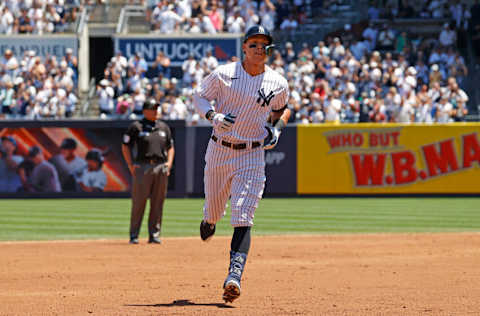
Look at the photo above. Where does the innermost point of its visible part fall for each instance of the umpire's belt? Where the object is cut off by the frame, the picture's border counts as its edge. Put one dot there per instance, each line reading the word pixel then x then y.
pixel 152 161
pixel 235 146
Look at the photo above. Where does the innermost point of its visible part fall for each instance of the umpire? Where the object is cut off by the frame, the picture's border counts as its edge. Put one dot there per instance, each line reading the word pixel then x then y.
pixel 148 150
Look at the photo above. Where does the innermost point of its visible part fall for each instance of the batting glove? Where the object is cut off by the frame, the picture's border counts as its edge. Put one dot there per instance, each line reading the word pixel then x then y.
pixel 222 121
pixel 272 139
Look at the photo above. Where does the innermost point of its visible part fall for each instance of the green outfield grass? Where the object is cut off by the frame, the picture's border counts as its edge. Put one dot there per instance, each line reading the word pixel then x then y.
pixel 56 219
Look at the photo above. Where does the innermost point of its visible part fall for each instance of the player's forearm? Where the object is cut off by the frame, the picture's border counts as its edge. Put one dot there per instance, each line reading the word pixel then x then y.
pixel 283 116
pixel 170 156
pixel 126 154
pixel 202 105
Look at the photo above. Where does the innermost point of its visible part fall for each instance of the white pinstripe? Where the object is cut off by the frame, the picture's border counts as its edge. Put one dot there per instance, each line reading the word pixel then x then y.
pixel 238 174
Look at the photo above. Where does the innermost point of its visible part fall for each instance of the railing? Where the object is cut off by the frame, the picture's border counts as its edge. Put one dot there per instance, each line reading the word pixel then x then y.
pixel 91 92
pixel 127 12
pixel 82 21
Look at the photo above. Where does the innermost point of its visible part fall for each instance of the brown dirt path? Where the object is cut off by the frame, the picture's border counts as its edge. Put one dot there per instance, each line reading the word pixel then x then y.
pixel 380 274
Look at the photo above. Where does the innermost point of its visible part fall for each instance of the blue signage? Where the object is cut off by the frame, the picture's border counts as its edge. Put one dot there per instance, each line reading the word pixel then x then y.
pixel 180 48
pixel 43 45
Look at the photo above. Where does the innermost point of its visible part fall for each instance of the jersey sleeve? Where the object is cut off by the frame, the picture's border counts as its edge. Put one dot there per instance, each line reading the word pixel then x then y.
pixel 130 134
pixel 209 87
pixel 279 102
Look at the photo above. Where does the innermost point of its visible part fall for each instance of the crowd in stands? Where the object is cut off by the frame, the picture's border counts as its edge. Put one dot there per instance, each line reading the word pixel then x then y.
pixel 456 10
pixel 214 16
pixel 35 16
pixel 383 75
pixel 33 87
pixel 378 78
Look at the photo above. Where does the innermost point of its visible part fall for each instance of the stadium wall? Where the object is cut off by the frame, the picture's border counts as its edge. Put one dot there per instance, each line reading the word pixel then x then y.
pixel 383 159
pixel 317 159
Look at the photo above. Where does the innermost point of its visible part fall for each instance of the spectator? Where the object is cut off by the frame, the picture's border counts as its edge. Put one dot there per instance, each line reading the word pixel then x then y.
pixel 235 22
pixel 105 98
pixel 6 21
pixel 267 14
pixel 25 24
pixel 435 75
pixel 347 35
pixel 209 62
pixel 373 11
pixel 370 35
pixel 436 8
pixel 215 16
pixel 188 68
pixel 282 9
pixel 251 19
pixel 337 50
pixel 207 24
pixel 289 54
pixel 460 110
pixel 124 107
pixel 194 26
pixel 444 111
pixel 139 64
pixel 386 38
pixel 162 65
pixel 401 41
pixel 7 101
pixel 448 36
pixel 168 21
pixel 289 25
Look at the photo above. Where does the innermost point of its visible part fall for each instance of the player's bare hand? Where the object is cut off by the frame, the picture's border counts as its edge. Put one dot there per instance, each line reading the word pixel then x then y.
pixel 223 122
pixel 272 139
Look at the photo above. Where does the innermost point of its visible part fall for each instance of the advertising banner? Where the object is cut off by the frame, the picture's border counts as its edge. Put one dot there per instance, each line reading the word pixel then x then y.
pixel 74 159
pixel 179 48
pixel 281 165
pixel 51 45
pixel 389 158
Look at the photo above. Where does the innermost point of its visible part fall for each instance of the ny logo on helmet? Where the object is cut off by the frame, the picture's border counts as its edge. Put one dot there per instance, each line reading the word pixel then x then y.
pixel 266 98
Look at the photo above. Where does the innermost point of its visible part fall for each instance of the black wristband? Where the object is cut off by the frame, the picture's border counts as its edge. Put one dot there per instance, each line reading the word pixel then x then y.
pixel 280 124
pixel 209 115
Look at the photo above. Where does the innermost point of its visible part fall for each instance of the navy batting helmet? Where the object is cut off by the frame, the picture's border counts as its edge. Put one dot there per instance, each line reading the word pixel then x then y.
pixel 258 30
pixel 96 155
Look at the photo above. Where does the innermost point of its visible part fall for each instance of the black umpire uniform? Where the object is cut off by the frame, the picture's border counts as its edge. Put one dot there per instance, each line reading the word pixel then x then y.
pixel 148 150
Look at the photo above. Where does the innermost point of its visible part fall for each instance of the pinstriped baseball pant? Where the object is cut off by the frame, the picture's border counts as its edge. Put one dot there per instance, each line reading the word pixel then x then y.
pixel 238 174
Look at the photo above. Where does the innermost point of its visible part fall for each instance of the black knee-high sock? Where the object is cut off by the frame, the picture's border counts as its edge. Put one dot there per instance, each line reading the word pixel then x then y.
pixel 241 240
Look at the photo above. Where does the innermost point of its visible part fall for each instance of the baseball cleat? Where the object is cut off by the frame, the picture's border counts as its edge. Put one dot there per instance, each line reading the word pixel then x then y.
pixel 133 241
pixel 154 240
pixel 231 290
pixel 206 230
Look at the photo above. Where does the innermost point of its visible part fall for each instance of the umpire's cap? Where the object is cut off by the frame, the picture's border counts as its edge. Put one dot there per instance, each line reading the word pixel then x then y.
pixel 96 155
pixel 69 143
pixel 150 104
pixel 258 30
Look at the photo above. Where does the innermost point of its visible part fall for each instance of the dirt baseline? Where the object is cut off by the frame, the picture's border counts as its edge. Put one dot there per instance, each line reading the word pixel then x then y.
pixel 379 274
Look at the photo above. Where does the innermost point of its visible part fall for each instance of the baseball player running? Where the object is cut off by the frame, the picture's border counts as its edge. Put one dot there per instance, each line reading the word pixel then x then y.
pixel 247 94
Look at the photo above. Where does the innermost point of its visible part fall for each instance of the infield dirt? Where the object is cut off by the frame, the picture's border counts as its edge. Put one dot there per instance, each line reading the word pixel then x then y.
pixel 378 274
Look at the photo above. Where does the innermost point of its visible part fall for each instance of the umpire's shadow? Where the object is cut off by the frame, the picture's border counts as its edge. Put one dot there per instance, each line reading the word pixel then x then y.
pixel 182 303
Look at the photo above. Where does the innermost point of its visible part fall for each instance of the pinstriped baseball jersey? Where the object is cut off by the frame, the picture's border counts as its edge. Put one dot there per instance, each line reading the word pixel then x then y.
pixel 239 174
pixel 250 98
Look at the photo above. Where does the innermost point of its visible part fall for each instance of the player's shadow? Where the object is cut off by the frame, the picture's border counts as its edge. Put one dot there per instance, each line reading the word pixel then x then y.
pixel 183 303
